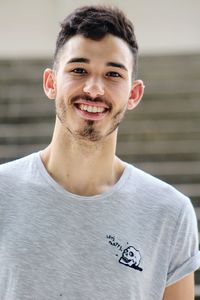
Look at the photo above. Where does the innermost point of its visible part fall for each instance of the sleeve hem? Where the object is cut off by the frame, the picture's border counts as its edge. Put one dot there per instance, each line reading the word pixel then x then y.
pixel 191 265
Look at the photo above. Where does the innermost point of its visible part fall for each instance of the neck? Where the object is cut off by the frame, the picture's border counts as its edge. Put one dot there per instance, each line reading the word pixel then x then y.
pixel 82 167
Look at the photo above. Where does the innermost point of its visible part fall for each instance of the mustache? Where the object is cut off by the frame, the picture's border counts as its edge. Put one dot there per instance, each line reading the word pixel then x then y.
pixel 88 98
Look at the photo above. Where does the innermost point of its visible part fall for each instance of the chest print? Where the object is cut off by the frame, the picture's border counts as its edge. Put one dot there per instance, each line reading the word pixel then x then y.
pixel 129 257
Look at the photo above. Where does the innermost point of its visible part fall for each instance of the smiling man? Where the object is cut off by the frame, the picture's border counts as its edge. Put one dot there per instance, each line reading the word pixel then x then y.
pixel 76 221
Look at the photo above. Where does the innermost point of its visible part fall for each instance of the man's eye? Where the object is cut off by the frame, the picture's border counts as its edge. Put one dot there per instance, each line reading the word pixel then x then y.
pixel 113 74
pixel 80 71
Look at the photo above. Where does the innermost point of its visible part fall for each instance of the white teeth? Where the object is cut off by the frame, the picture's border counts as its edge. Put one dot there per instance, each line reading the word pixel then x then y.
pixel 93 109
pixel 100 109
pixel 90 109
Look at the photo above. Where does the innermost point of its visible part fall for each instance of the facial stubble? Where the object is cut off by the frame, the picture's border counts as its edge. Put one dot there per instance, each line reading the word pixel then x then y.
pixel 89 132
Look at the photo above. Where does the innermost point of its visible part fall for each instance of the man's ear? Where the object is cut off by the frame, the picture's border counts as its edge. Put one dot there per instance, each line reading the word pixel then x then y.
pixel 136 94
pixel 49 83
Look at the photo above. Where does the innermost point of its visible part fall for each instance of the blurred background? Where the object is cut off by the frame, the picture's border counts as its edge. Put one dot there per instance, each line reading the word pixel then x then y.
pixel 161 136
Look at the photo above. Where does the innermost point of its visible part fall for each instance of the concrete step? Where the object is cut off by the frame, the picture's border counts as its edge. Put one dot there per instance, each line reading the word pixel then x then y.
pixel 197 210
pixel 33 110
pixel 169 168
pixel 11 152
pixel 161 126
pixel 190 189
pixel 23 70
pixel 9 133
pixel 17 92
pixel 159 147
pixel 170 74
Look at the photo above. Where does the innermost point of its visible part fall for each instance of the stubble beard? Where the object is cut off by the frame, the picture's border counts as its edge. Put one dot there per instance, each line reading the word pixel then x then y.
pixel 89 133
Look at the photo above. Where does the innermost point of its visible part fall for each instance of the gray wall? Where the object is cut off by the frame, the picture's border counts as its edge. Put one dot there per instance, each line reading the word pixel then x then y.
pixel 29 28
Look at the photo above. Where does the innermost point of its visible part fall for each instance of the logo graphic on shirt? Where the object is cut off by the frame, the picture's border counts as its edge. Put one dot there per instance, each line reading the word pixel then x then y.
pixel 130 256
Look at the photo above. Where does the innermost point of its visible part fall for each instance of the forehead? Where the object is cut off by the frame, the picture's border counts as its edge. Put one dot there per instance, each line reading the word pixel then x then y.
pixel 109 48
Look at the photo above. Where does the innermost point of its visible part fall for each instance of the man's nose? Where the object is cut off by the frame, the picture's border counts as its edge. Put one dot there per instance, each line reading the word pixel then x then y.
pixel 94 87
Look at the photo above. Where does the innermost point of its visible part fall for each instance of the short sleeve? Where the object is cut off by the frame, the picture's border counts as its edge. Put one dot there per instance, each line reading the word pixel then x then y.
pixel 184 253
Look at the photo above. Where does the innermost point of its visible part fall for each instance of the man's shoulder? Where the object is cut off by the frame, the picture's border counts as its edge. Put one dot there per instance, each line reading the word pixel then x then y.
pixel 16 167
pixel 155 190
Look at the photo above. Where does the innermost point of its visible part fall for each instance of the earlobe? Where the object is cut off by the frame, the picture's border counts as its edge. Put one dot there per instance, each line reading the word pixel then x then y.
pixel 136 94
pixel 49 84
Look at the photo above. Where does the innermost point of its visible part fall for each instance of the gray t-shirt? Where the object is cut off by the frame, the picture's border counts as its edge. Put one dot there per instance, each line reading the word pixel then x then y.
pixel 129 242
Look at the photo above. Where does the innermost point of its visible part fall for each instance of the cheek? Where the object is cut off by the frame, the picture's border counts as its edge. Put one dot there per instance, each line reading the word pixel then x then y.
pixel 120 93
pixel 68 88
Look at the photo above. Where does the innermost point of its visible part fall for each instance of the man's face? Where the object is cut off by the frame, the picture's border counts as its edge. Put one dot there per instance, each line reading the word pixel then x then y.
pixel 92 86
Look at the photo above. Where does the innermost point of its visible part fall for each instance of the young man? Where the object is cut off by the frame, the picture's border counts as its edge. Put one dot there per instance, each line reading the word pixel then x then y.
pixel 76 221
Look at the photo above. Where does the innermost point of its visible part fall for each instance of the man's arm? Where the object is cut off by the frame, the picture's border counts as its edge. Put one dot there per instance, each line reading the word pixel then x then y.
pixel 181 290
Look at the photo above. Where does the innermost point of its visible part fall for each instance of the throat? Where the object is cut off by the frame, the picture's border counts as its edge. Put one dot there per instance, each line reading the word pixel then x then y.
pixel 96 181
pixel 81 176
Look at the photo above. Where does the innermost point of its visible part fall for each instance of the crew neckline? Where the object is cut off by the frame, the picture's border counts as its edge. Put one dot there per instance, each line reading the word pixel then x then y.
pixel 61 190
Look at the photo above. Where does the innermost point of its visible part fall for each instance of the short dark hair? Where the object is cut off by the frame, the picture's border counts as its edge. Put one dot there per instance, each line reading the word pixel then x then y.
pixel 94 22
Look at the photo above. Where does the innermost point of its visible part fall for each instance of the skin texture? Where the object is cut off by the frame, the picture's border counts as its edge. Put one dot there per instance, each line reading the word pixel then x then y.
pixel 81 156
pixel 182 290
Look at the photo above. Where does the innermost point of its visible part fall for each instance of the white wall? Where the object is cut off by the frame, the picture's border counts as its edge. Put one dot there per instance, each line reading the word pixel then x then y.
pixel 29 28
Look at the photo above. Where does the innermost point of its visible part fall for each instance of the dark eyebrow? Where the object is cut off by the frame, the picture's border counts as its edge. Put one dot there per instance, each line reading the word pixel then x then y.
pixel 87 61
pixel 116 65
pixel 78 60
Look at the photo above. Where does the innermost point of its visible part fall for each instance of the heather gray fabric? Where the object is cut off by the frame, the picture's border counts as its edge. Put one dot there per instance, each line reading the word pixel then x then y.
pixel 127 243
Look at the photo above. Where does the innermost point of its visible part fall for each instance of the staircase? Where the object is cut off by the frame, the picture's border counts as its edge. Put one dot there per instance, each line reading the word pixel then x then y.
pixel 161 136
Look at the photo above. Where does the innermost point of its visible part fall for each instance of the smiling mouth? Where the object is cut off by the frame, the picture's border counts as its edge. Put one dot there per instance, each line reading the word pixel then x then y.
pixel 90 110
